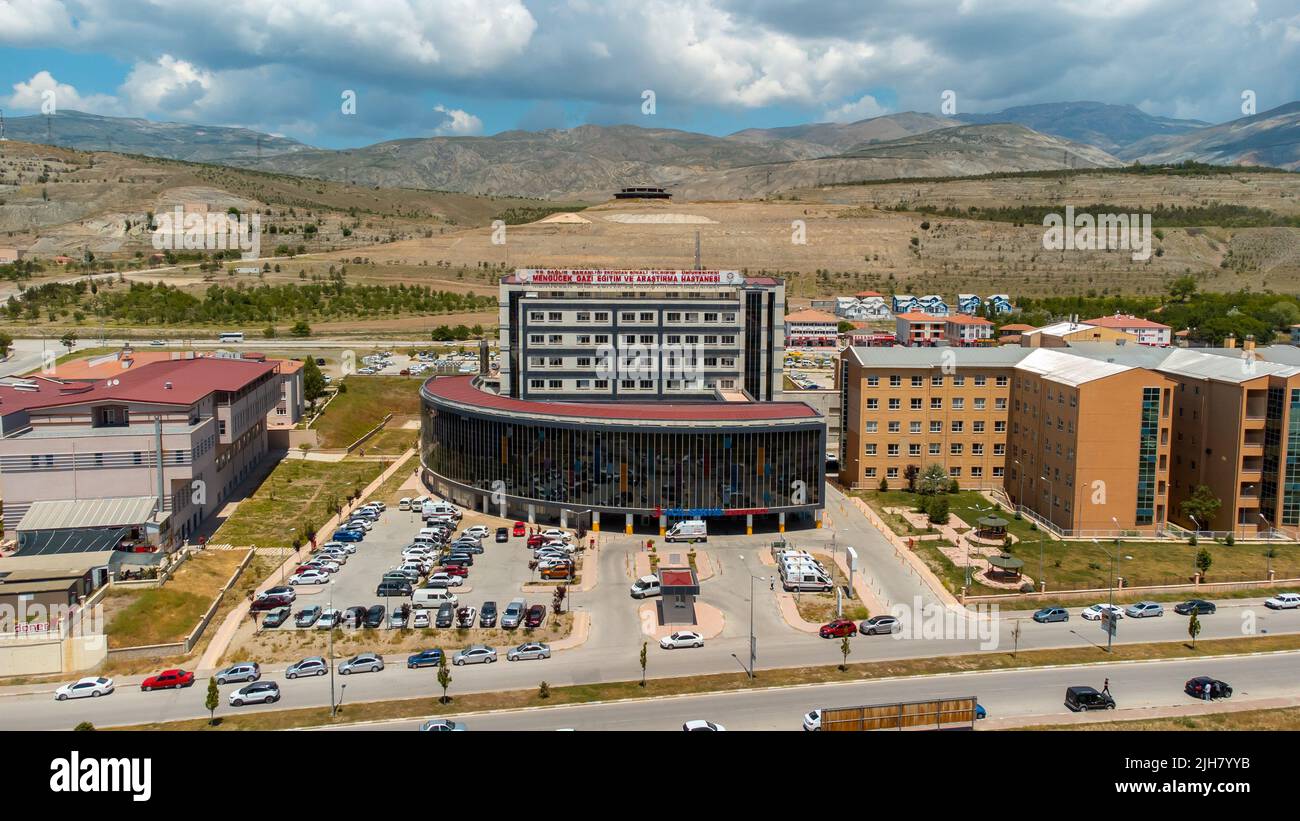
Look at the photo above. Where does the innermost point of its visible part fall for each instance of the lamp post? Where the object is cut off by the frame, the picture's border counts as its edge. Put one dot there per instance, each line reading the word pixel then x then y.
pixel 1020 474
pixel 977 509
pixel 1110 611
pixel 1268 554
pixel 753 650
pixel 333 707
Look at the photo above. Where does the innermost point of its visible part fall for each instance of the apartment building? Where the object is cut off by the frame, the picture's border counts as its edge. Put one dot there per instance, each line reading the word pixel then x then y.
pixel 184 431
pixel 916 329
pixel 811 329
pixel 583 335
pixel 1065 334
pixel 965 330
pixel 1089 443
pixel 1146 331
pixel 919 406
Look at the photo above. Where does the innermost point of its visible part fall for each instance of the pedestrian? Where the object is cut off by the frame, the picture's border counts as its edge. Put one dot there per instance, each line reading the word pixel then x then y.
pixel 771 583
pixel 1105 687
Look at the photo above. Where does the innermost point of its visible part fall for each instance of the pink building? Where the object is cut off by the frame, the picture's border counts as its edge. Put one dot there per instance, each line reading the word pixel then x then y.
pixel 916 328
pixel 965 330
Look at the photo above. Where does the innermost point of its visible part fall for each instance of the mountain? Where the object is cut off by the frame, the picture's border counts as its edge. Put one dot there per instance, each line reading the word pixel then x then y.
pixel 173 141
pixel 1271 138
pixel 1108 127
pixel 949 152
pixel 843 136
pixel 590 161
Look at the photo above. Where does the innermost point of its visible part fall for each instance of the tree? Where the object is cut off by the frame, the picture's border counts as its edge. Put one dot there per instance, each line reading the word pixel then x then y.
pixel 884 485
pixel 557 599
pixel 846 647
pixel 6 343
pixel 909 474
pixel 543 690
pixel 1182 289
pixel 934 479
pixel 844 326
pixel 1201 506
pixel 69 340
pixel 644 645
pixel 212 701
pixel 300 329
pixel 444 677
pixel 1203 561
pixel 937 509
pixel 270 332
pixel 313 381
pixel 84 727
pixel 1193 627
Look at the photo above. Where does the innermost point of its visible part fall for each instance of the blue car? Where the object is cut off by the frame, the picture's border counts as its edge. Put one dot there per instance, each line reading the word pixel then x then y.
pixel 424 658
pixel 980 712
pixel 347 536
pixel 1048 614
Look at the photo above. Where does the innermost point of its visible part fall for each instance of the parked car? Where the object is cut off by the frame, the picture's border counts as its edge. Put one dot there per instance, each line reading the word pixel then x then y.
pixel 269 603
pixel 475 654
pixel 425 658
pixel 420 619
pixel 1200 607
pixel 503 534
pixel 362 663
pixel 1144 610
pixel 682 638
pixel 262 692
pixel 276 617
pixel 443 579
pixel 168 680
pixel 442 725
pixel 487 616
pixel 398 616
pixel 354 617
pixel 520 529
pixel 514 614
pixel 310 666
pixel 838 628
pixel 812 721
pixel 1094 613
pixel 529 650
pixel 560 570
pixel 390 587
pixel 347 536
pixel 375 616
pixel 329 619
pixel 89 687
pixel 404 504
pixel 645 586
pixel 453 569
pixel 535 616
pixel 476 531
pixel 1283 601
pixel 1051 614
pixel 1082 699
pixel 465 617
pixel 877 625
pixel 243 671
pixel 1197 687
pixel 307 616
pixel 446 615
pixel 699 725
pixel 282 590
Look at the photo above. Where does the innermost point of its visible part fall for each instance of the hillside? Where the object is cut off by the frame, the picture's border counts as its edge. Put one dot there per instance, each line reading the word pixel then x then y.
pixel 842 136
pixel 1108 127
pixel 1270 138
pixel 947 152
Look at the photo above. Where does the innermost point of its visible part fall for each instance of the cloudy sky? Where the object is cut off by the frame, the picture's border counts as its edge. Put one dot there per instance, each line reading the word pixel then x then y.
pixel 424 67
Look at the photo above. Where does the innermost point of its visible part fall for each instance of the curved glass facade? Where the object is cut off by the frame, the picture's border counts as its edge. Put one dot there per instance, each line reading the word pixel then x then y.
pixel 684 470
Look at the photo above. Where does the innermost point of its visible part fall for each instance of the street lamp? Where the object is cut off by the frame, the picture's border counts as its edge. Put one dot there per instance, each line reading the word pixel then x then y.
pixel 333 706
pixel 1020 473
pixel 753 649
pixel 1268 554
pixel 977 509
pixel 1110 611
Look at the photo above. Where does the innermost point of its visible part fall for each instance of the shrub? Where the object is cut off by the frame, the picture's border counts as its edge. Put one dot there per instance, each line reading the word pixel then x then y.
pixel 543 690
pixel 884 485
pixel 937 510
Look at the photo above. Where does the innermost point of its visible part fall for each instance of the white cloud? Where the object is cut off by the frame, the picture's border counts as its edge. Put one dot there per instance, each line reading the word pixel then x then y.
pixel 166 85
pixel 33 94
pixel 863 108
pixel 457 123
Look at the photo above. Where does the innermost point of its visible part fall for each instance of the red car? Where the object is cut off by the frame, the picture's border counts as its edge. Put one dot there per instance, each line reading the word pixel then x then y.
pixel 535 540
pixel 168 679
pixel 519 528
pixel 838 629
pixel 270 603
pixel 454 570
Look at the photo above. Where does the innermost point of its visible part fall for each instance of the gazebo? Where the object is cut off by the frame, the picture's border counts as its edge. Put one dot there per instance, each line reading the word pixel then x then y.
pixel 991 528
pixel 1006 563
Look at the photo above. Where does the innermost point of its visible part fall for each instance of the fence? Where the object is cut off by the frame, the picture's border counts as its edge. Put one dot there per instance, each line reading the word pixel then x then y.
pixel 1029 600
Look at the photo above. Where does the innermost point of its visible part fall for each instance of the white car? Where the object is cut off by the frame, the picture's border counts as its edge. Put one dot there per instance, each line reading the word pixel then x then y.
pixel 339 557
pixel 1094 613
pixel 329 619
pixel 404 504
pixel 812 720
pixel 699 725
pixel 346 547
pixel 89 687
pixel 378 505
pixel 444 580
pixel 682 638
pixel 262 692
pixel 310 577
pixel 419 619
pixel 361 522
pixel 477 531
pixel 1283 601
pixel 555 534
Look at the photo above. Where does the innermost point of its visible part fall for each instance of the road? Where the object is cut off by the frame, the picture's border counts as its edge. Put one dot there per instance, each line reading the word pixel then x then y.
pixel 1009 694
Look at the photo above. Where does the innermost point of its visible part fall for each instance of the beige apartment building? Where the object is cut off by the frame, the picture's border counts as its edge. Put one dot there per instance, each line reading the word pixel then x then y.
pixel 906 406
pixel 1089 443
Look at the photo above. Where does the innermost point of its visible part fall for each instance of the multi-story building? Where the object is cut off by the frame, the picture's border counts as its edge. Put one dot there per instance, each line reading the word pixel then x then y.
pixel 1064 334
pixel 185 432
pixel 1089 443
pixel 589 335
pixel 811 329
pixel 914 328
pixel 1146 331
pixel 968 303
pixel 919 406
pixel 964 330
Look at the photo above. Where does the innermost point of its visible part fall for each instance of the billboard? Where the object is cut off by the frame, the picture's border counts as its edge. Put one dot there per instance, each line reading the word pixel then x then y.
pixel 617 278
pixel 936 714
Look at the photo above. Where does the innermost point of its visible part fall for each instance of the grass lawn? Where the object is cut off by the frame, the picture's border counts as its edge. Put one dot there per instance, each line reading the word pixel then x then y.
pixel 720 682
pixel 820 607
pixel 167 614
pixel 1283 718
pixel 363 406
pixel 952 576
pixel 298 493
pixel 390 442
pixel 1075 565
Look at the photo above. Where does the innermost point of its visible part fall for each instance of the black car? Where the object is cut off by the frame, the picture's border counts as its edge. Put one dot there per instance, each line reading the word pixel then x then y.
pixel 392 587
pixel 1198 606
pixel 503 534
pixel 487 616
pixel 462 559
pixel 276 617
pixel 1081 699
pixel 1196 688
pixel 446 615
pixel 375 616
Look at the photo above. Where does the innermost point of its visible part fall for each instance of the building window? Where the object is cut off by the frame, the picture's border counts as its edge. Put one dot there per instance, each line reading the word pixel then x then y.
pixel 892 450
pixel 894 427
pixel 872 427
pixel 895 404
pixel 870 449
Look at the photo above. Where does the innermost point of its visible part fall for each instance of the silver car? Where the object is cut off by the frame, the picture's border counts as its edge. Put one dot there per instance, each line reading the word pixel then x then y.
pixel 529 650
pixel 310 666
pixel 243 671
pixel 363 663
pixel 475 654
pixel 1144 609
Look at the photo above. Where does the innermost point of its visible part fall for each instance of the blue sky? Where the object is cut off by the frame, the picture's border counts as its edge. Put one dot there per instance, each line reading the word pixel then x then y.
pixel 425 67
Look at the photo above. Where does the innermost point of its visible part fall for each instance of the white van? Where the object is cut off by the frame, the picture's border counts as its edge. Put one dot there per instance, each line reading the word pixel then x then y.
pixel 432 597
pixel 645 586
pixel 807 581
pixel 792 568
pixel 435 508
pixel 405 504
pixel 688 530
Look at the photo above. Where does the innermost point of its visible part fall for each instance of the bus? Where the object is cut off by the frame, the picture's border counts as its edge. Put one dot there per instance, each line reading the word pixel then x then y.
pixel 231 336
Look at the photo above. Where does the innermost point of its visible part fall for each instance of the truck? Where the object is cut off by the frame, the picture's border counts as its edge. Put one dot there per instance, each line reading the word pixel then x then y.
pixel 688 530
